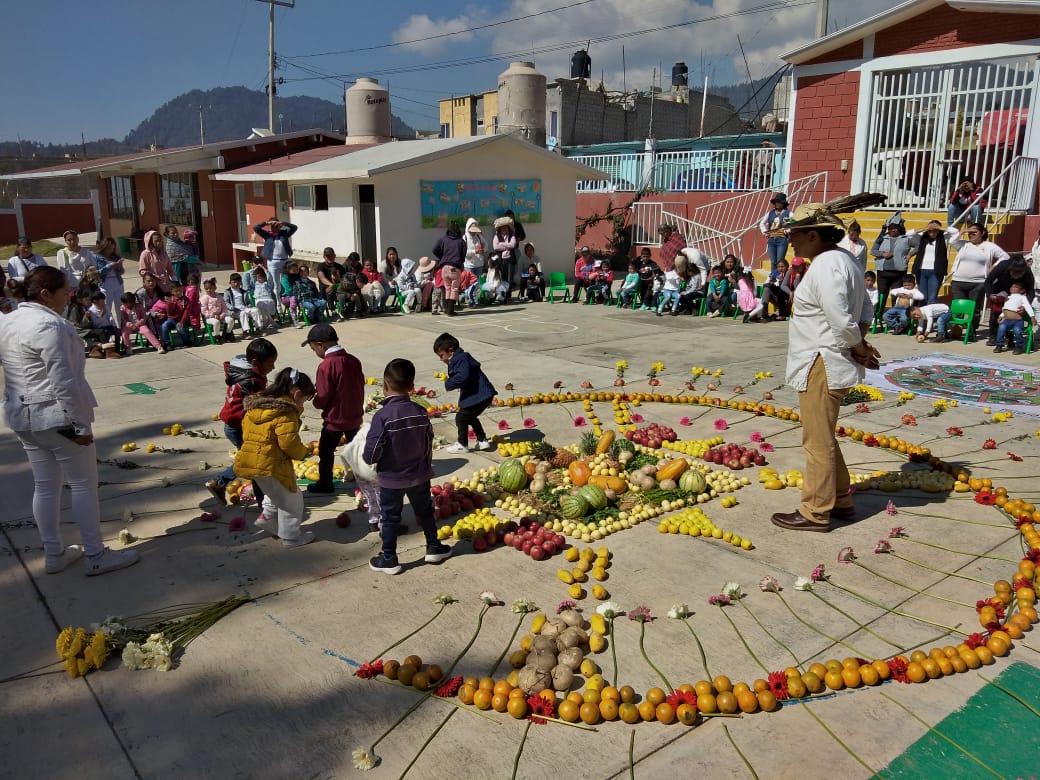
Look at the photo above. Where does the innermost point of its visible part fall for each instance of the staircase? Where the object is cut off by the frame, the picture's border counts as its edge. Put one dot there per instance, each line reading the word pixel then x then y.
pixel 873 220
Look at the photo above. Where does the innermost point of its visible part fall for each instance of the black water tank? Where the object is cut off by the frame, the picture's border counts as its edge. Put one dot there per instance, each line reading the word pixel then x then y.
pixel 680 75
pixel 581 65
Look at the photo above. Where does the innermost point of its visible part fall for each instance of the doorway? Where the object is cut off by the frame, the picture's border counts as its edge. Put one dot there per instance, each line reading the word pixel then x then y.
pixel 366 221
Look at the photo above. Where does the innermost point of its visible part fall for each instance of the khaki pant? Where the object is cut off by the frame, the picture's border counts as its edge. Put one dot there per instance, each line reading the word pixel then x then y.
pixel 825 481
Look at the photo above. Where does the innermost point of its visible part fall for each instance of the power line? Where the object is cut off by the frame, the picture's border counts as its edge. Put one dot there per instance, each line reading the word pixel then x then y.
pixel 448 34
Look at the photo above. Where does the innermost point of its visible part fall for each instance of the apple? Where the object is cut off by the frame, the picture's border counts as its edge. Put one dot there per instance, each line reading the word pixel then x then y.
pixel 549 548
pixel 537 553
pixel 479 544
pixel 526 546
pixel 508 538
pixel 343 519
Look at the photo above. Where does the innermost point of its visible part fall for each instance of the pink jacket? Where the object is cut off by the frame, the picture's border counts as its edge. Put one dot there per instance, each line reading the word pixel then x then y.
pixel 192 311
pixel 213 307
pixel 156 263
pixel 132 316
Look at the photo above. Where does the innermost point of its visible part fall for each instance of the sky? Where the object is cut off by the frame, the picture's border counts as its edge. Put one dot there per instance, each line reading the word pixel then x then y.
pixel 100 68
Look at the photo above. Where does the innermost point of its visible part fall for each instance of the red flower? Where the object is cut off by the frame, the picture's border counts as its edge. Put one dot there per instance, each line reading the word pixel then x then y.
pixel 449 687
pixel 1022 520
pixel 580 422
pixel 989 444
pixel 368 671
pixel 994 626
pixel 908 419
pixel 209 517
pixel 985 498
pixel 980 604
pixel 619 382
pixel 557 384
pixel 237 524
pixel 778 685
pixel 974 640
pixel 675 698
pixel 862 409
pixel 955 431
pixel 898 667
pixel 1014 457
pixel 509 386
pixel 587 385
pixel 529 422
pixel 540 707
pixel 1033 555
pixel 503 425
pixel 654 382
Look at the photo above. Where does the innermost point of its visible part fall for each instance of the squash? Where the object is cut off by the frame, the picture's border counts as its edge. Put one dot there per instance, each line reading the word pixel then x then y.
pixel 579 472
pixel 617 484
pixel 672 469
pixel 604 442
pixel 511 475
pixel 599 480
pixel 573 507
pixel 692 481
pixel 594 495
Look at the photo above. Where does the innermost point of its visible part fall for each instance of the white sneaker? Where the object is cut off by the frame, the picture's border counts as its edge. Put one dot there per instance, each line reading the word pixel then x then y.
pixel 304 538
pixel 109 560
pixel 483 445
pixel 268 524
pixel 59 563
pixel 456 449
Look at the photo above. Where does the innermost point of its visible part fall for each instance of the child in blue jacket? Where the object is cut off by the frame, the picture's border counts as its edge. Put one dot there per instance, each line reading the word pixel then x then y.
pixel 475 391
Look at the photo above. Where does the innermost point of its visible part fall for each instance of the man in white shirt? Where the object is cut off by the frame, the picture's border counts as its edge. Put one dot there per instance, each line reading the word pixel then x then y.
pixel 826 356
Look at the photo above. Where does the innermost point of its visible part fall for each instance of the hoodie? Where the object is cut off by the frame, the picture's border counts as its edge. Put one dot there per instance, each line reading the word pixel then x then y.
pixel 241 380
pixel 270 440
pixel 465 375
pixel 156 262
pixel 476 247
pixel 406 279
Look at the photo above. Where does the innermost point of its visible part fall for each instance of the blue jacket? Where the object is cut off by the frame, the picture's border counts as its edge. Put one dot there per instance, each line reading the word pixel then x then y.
pixel 400 443
pixel 464 375
pixel 269 238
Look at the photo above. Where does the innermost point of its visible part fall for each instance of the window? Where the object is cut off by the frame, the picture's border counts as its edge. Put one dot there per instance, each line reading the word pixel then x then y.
pixel 121 197
pixel 258 189
pixel 321 197
pixel 177 196
pixel 445 130
pixel 302 197
pixel 554 124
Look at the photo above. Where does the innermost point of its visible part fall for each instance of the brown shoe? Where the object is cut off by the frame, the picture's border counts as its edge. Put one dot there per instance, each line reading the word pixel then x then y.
pixel 794 521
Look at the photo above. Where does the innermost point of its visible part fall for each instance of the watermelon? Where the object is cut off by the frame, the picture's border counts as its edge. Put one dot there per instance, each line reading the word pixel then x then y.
pixel 594 495
pixel 511 475
pixel 573 507
pixel 692 481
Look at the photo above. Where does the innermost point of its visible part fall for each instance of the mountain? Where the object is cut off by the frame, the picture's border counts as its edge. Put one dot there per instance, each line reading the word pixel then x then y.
pixel 232 112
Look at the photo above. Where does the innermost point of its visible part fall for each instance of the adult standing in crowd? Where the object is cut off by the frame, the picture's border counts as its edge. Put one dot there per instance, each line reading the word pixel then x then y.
pixel 181 253
pixel 277 246
pixel 826 355
pixel 155 261
pixel 110 269
pixel 506 246
pixel 855 246
pixel 692 259
pixel 50 407
pixel 476 248
pixel 672 243
pixel 24 260
pixel 74 259
pixel 891 250
pixel 771 226
pixel 450 251
pixel 976 257
pixel 931 261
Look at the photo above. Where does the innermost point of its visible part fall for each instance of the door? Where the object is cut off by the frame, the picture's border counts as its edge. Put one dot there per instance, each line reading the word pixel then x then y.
pixel 365 225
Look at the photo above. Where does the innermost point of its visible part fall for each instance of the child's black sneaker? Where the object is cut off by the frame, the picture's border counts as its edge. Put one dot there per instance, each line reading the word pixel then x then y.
pixel 435 553
pixel 385 565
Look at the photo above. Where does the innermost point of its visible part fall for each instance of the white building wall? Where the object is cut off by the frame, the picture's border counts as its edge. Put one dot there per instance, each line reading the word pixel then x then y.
pixel 335 227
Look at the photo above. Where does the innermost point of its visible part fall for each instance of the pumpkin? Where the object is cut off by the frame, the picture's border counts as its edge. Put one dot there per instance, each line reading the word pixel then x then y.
pixel 511 475
pixel 604 442
pixel 594 495
pixel 692 481
pixel 579 472
pixel 573 507
pixel 672 469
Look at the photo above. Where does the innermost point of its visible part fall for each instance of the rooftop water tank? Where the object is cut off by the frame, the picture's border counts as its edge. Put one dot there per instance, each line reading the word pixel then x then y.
pixel 368 112
pixel 521 102
pixel 581 65
pixel 680 75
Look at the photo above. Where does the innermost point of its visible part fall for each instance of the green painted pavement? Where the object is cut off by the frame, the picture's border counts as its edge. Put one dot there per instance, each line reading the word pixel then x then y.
pixel 142 388
pixel 995 728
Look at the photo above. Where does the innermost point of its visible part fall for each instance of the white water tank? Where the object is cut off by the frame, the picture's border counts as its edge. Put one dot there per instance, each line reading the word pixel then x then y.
pixel 521 102
pixel 368 112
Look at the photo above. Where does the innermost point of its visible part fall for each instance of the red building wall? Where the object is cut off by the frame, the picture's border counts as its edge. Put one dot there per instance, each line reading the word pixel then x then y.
pixel 824 131
pixel 44 220
pixel 945 28
pixel 8 229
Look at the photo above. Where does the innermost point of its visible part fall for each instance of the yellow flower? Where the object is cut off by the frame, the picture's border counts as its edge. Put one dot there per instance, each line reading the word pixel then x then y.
pixel 370 380
pixel 64 640
pixel 78 640
pixel 81 666
pixel 953 403
pixel 621 365
pixel 99 648
pixel 696 370
pixel 72 667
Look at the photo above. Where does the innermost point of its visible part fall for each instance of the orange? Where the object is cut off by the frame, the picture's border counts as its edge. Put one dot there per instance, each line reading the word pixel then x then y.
pixel 971 659
pixel 818 669
pixel 796 688
pixel 766 700
pixel 517 707
pixel 760 685
pixel 832 666
pixel 847 663
pixel 568 711
pixel 835 680
pixel 702 687
pixel 482 699
pixel 936 653
pixel 647 711
pixel 740 688
pixel 727 702
pixel 747 701
pixel 472 681
pixel 466 693
pixel 665 713
pixel 610 693
pixel 608 709
pixel 628 693
pixel 706 703
pixel 629 712
pixel 687 714
pixel 547 693
pixel 722 683
pixel 390 669
pixel 917 656
pixel 1020 620
pixel 985 655
pixel 950 651
pixel 502 687
pixel 869 676
pixel 655 696
pixel 413 660
pixel 850 675
pixel 1026 594
pixel 487 684
pixel 915 672
pixel 931 668
pixel 959 665
pixel 592 697
pixel 945 666
pixel 997 646
pixel 518 693
pixel 576 697
pixel 882 669
pixel 500 702
pixel 813 682
pixel 686 688
pixel 1012 630
pixel 1029 613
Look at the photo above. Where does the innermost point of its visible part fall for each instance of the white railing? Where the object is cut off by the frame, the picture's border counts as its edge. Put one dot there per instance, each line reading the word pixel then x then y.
pixel 646 216
pixel 1013 191
pixel 712 170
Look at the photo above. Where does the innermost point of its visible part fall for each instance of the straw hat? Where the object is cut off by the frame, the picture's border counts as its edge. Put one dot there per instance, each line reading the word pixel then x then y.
pixel 426 265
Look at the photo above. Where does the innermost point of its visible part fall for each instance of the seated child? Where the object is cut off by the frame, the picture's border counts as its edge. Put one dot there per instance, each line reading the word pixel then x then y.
pixel 630 285
pixel 669 293
pixel 308 296
pixel 533 282
pixel 408 286
pixel 896 317
pixel 1017 311
pixel 372 289
pixel 170 310
pixel 347 292
pixel 747 297
pixel 215 311
pixel 870 282
pixel 286 292
pixel 692 295
pixel 78 313
pixel 718 293
pixel 937 314
pixel 101 320
pixel 495 283
pixel 600 280
pixel 469 288
pixel 238 304
pixel 136 321
pixel 192 293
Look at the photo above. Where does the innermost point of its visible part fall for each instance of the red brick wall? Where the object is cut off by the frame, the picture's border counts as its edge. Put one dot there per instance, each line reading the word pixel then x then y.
pixel 8 230
pixel 824 131
pixel 945 28
pixel 46 220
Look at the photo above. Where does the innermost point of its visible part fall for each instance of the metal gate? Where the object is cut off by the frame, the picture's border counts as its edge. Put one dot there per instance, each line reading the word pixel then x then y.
pixel 932 127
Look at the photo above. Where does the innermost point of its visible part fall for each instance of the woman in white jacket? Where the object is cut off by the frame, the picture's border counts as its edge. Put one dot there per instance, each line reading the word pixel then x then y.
pixel 476 248
pixel 50 407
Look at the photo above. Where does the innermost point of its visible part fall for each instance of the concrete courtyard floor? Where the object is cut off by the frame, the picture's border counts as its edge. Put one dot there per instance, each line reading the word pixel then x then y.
pixel 270 691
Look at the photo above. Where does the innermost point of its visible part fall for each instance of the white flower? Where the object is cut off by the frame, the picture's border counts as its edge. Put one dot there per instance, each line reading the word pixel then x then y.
pixel 733 590
pixel 125 537
pixel 803 583
pixel 444 599
pixel 132 656
pixel 489 598
pixel 610 609
pixel 363 760
pixel 679 611
pixel 523 606
pixel 163 664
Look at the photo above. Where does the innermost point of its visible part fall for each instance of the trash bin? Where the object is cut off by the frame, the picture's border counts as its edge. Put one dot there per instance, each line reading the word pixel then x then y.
pixel 124 245
pixel 247 266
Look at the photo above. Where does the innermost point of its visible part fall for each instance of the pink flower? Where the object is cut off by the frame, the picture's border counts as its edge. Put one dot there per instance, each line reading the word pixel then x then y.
pixel 766 447
pixel 897 533
pixel 720 424
pixel 503 425
pixel 891 509
pixel 846 555
pixel 641 615
pixel 587 385
pixel 529 422
pixel 580 422
pixel 237 524
pixel 720 600
pixel 619 382
pixel 637 418
pixel 756 437
pixel 209 517
pixel 738 389
pixel 685 421
pixel 431 393
pixel 882 547
pixel 712 386
pixel 817 574
pixel 509 386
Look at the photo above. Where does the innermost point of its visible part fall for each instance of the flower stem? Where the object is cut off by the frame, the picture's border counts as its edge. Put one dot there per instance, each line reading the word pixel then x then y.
pixel 834 736
pixel 431 694
pixel 743 758
pixel 519 751
pixel 850 591
pixel 631 754
pixel 509 644
pixel 642 633
pixel 1017 698
pixel 937 571
pixel 700 649
pixel 942 736
pixel 743 641
pixel 846 614
pixel 818 631
pixel 472 639
pixel 770 634
pixel 613 650
pixel 959 552
pixel 405 638
pixel 429 739
pixel 909 587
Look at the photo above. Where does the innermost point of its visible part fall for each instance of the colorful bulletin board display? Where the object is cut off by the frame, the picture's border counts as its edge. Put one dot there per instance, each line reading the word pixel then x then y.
pixel 484 200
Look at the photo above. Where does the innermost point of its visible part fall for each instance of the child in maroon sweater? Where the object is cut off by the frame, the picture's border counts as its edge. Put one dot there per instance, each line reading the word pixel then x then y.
pixel 340 384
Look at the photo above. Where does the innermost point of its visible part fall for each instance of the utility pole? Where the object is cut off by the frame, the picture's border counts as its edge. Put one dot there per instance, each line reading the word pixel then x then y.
pixel 271 87
pixel 821 17
pixel 202 129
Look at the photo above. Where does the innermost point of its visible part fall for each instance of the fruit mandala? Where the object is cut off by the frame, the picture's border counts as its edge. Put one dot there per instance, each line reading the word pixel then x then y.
pixel 982 384
pixel 561 503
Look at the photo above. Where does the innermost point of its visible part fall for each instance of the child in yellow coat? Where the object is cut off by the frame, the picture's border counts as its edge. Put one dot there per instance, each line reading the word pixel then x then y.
pixel 270 443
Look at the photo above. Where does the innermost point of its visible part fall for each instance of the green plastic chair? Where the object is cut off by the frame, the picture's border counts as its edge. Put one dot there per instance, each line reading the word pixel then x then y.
pixel 962 312
pixel 558 283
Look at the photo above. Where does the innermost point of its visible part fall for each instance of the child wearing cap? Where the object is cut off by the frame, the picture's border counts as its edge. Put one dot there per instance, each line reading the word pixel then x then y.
pixel 340 395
